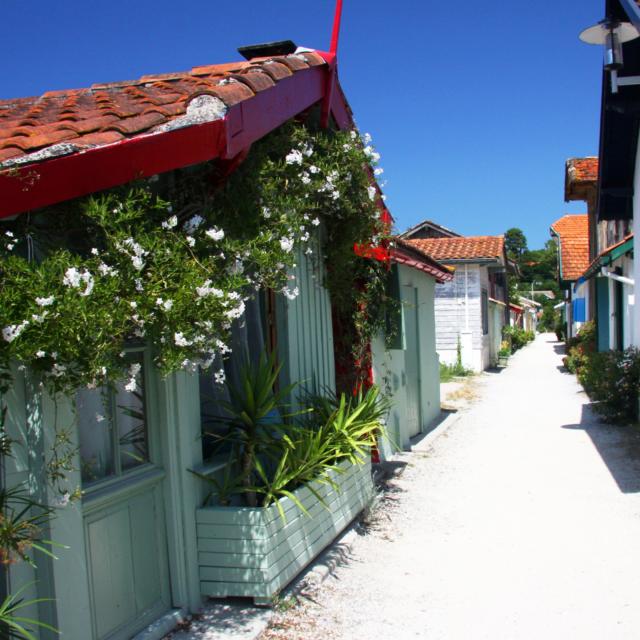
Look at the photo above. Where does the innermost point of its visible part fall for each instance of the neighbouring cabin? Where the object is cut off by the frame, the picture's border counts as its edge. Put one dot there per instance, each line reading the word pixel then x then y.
pixel 405 361
pixel 471 308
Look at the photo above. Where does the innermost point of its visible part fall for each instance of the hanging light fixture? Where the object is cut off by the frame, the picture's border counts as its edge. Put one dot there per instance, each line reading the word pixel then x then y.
pixel 612 34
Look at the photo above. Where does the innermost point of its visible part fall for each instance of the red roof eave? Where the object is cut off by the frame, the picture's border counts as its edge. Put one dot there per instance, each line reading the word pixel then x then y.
pixel 425 265
pixel 63 178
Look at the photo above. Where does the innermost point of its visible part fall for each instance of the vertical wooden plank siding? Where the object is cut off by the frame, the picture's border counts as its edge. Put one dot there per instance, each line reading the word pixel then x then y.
pixel 306 336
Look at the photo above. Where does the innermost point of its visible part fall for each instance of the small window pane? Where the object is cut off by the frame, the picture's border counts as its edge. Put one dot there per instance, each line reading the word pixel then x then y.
pixel 131 421
pixel 96 435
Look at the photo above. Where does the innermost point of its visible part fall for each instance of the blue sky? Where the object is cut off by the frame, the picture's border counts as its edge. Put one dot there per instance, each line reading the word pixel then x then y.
pixel 473 106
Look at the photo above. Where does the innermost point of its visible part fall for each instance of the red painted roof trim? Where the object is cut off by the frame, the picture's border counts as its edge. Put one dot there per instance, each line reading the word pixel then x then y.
pixel 63 178
pixel 402 254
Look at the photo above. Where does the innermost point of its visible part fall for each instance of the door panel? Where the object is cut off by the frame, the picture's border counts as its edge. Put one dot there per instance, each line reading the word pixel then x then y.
pixel 412 360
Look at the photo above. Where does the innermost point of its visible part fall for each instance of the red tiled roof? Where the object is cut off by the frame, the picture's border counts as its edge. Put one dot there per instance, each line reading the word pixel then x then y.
pixel 573 231
pixel 580 174
pixel 464 248
pixel 88 140
pixel 405 252
pixel 63 122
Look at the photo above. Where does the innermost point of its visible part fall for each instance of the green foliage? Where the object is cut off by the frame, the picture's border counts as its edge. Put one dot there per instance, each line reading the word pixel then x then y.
pixel 172 263
pixel 612 380
pixel 515 243
pixel 13 625
pixel 450 371
pixel 505 349
pixel 581 347
pixel 270 455
pixel 516 337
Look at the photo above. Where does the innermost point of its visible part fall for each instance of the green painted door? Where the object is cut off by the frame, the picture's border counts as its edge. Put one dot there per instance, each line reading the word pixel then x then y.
pixel 123 515
pixel 412 360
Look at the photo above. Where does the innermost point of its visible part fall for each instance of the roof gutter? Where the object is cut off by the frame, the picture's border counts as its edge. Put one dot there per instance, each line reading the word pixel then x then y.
pixel 614 276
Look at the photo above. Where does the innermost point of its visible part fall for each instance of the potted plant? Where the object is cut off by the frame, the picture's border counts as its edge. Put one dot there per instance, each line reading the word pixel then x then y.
pixel 288 487
pixel 504 353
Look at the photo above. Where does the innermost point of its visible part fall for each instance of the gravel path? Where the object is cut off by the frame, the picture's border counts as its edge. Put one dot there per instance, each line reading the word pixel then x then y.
pixel 521 522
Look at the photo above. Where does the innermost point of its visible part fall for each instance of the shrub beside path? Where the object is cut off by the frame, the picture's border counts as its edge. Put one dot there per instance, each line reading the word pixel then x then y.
pixel 521 522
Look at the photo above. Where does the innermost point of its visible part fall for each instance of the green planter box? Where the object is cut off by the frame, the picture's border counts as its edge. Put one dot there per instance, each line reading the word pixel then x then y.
pixel 253 552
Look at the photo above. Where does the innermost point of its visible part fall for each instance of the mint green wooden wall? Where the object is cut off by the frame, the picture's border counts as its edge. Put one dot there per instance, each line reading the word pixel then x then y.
pixel 390 365
pixel 32 420
pixel 305 334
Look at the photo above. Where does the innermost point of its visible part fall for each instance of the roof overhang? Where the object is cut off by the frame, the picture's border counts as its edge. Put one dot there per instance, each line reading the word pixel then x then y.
pixel 405 254
pixel 619 117
pixel 608 257
pixel 66 177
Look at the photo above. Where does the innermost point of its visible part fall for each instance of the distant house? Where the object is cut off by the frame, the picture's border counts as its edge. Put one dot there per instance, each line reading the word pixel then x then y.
pixel 429 229
pixel 407 366
pixel 572 234
pixel 472 308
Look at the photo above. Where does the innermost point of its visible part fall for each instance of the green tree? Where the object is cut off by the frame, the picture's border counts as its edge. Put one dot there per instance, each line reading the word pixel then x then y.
pixel 515 243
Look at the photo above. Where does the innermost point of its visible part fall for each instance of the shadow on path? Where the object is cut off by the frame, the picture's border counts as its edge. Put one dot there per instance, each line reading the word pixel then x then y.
pixel 618 446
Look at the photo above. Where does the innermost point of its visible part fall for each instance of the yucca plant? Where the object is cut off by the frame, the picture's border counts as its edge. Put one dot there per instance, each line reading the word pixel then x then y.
pixel 13 625
pixel 255 413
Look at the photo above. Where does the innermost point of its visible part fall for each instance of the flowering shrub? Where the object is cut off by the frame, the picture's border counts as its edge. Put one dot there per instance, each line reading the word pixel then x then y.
pixel 516 337
pixel 172 262
pixel 581 347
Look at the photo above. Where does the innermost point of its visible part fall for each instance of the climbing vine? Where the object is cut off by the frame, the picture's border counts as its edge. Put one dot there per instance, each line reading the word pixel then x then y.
pixel 171 262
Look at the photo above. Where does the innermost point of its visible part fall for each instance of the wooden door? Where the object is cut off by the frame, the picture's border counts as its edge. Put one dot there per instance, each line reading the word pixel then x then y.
pixel 412 360
pixel 124 524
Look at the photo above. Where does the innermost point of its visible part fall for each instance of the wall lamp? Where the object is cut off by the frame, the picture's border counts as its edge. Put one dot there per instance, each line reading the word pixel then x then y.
pixel 613 34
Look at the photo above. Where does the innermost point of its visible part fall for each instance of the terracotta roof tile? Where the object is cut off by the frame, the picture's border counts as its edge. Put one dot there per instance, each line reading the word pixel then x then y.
pixel 580 174
pixel 461 248
pixel 107 112
pixel 573 231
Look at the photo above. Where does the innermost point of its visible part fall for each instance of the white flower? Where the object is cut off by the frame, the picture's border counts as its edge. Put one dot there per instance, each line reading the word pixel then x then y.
pixel 137 262
pixel 313 169
pixel 191 241
pixel 171 222
pixel 291 294
pixel 346 147
pixel 353 134
pixel 9 234
pixel 309 251
pixel 106 270
pixel 45 302
pixel 139 285
pixel 219 376
pixel 236 312
pixel 180 340
pixel 368 151
pixel 222 347
pixel 371 190
pixel 307 149
pixel 233 295
pixel 304 176
pixel 133 304
pixel 335 194
pixel 193 223
pixel 375 157
pixel 315 222
pixel 366 138
pixel 214 233
pixel 294 157
pixel 164 304
pixel 75 278
pixel 207 290
pixel 99 417
pixel 40 354
pixel 131 386
pixel 286 244
pixel 11 332
pixel 305 236
pixel 378 171
pixel 266 213
pixel 63 500
pixel 39 318
pixel 94 252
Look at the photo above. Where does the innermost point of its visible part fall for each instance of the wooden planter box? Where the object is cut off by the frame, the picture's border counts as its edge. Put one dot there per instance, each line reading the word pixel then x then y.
pixel 253 552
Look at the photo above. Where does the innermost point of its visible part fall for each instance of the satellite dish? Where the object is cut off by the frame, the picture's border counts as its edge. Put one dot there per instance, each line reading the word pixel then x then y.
pixel 599 32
